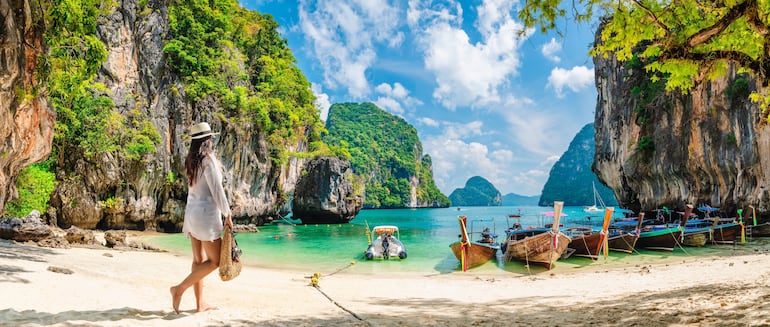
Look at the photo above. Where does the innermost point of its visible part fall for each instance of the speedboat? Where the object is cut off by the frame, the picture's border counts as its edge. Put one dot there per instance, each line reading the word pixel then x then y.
pixel 386 245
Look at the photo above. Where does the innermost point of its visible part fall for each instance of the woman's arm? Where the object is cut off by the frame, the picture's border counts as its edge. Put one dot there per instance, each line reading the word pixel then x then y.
pixel 213 177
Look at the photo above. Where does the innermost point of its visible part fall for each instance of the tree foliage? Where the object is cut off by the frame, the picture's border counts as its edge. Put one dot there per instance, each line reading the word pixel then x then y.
pixel 386 150
pixel 208 42
pixel 688 41
pixel 34 185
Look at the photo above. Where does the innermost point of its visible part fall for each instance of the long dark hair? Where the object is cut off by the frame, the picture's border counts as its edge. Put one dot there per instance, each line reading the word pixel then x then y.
pixel 199 149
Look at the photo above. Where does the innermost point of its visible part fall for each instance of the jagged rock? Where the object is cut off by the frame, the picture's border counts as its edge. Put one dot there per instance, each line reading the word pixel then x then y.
pixel 77 235
pixel 250 228
pixel 113 238
pixel 28 229
pixel 55 242
pixel 323 195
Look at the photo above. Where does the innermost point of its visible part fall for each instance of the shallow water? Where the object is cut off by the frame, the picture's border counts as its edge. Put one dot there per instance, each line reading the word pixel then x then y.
pixel 426 233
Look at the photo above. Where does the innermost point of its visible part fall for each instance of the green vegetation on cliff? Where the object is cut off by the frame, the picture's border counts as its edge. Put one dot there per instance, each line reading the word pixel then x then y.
pixel 208 39
pixel 477 192
pixel 86 120
pixel 387 151
pixel 571 177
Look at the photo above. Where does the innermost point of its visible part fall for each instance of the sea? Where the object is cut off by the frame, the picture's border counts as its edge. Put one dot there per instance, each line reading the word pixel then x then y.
pixel 426 234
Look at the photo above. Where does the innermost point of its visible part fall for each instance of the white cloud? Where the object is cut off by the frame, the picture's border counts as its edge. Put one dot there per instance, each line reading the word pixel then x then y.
pixel 394 98
pixel 390 105
pixel 428 121
pixel 467 73
pixel 321 100
pixel 343 35
pixel 576 79
pixel 550 49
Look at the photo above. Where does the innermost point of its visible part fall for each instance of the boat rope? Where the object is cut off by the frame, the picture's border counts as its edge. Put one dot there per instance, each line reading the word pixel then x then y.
pixel 286 220
pixel 314 283
pixel 676 239
pixel 340 305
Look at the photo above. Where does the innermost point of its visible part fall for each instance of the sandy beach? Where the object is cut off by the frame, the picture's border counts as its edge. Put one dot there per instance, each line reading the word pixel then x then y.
pixel 107 287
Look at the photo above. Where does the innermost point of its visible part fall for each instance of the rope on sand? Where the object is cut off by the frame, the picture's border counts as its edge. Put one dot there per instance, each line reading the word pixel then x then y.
pixel 340 306
pixel 314 282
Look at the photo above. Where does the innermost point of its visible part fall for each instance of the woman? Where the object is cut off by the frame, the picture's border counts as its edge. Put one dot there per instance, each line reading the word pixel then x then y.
pixel 206 203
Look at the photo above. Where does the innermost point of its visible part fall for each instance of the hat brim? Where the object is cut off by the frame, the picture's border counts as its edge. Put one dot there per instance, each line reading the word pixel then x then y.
pixel 200 136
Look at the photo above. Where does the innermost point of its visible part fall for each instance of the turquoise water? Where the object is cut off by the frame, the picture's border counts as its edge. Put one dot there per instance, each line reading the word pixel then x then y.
pixel 426 233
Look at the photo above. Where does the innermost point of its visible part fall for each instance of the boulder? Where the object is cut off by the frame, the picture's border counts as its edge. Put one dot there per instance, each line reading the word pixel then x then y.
pixel 77 235
pixel 31 228
pixel 114 237
pixel 323 195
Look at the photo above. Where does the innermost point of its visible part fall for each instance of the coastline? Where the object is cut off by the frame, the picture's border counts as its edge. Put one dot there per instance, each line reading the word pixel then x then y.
pixel 109 287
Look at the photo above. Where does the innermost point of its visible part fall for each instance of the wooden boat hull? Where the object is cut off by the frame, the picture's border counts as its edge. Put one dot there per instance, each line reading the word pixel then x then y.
pixel 725 233
pixel 696 237
pixel 625 242
pixel 476 253
pixel 587 245
pixel 661 240
pixel 539 249
pixel 761 230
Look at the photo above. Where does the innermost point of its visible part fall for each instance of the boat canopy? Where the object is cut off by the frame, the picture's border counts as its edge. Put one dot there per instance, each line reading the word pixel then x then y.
pixel 385 229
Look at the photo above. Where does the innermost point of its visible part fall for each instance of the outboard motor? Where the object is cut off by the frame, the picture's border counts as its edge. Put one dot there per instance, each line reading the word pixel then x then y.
pixel 385 245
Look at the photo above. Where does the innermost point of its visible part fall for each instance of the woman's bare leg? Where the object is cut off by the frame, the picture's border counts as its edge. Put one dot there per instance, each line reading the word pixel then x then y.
pixel 205 260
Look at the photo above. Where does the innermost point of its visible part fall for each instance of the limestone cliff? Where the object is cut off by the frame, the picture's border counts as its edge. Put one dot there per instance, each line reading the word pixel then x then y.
pixel 26 121
pixel 656 148
pixel 149 193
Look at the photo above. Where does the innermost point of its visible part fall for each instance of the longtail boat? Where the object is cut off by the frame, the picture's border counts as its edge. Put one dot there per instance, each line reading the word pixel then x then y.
pixel 693 235
pixel 624 239
pixel 474 253
pixel 587 242
pixel 543 248
pixel 659 237
pixel 757 230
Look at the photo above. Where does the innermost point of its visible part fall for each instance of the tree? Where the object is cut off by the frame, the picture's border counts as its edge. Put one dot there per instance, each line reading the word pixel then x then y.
pixel 687 41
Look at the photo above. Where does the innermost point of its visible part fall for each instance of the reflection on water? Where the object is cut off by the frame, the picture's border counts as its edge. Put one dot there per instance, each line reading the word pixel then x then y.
pixel 426 233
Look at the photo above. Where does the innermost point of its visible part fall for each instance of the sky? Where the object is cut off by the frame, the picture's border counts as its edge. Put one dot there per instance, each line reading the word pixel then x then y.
pixel 486 100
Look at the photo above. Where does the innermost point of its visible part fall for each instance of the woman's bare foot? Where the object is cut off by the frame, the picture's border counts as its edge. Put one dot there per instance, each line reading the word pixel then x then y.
pixel 206 307
pixel 175 299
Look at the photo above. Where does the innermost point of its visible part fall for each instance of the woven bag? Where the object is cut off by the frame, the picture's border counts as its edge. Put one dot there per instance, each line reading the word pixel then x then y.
pixel 229 258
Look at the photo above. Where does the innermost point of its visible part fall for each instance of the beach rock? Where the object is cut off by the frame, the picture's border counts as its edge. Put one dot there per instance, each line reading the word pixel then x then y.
pixel 250 228
pixel 113 238
pixel 323 195
pixel 55 242
pixel 60 270
pixel 77 235
pixel 30 228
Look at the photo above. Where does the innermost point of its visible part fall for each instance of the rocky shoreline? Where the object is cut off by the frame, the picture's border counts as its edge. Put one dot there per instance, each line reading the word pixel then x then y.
pixel 31 230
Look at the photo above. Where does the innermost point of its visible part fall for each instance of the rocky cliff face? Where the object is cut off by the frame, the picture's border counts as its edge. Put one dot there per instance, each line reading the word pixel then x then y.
pixel 26 121
pixel 150 194
pixel 654 148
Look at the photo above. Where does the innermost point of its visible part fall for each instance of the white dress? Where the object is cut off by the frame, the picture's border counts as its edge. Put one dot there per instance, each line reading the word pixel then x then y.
pixel 206 203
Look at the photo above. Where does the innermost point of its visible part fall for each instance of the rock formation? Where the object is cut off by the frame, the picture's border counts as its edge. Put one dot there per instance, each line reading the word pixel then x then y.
pixel 150 194
pixel 31 228
pixel 657 148
pixel 323 195
pixel 26 121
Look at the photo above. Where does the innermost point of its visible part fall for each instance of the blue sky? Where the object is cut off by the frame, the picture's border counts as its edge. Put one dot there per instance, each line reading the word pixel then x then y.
pixel 485 102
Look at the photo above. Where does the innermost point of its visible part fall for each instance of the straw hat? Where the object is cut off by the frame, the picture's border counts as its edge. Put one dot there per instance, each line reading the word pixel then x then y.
pixel 201 130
